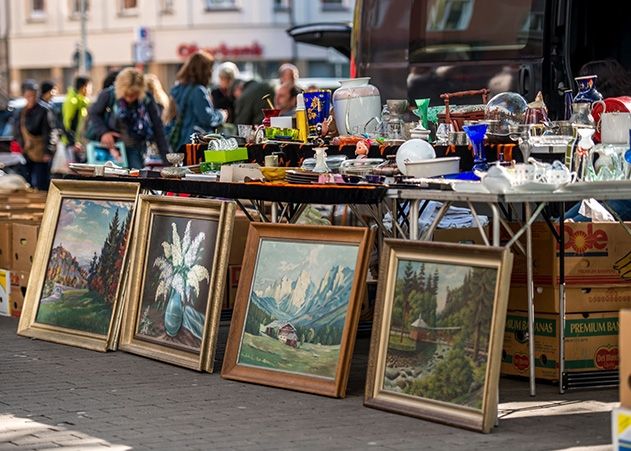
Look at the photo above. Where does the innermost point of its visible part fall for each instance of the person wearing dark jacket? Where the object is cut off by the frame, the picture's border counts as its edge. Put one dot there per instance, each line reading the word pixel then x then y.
pixel 249 103
pixel 37 125
pixel 127 112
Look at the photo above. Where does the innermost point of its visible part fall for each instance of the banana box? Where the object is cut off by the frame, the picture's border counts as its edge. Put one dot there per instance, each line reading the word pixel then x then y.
pixel 578 299
pixel 596 253
pixel 6 254
pixel 591 344
pixel 5 290
pixel 621 429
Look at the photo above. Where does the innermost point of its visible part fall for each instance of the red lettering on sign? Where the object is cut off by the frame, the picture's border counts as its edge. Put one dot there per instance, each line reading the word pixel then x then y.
pixel 222 50
pixel 582 240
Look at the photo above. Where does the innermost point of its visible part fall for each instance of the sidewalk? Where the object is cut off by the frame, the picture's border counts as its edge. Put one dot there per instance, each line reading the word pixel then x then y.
pixel 58 397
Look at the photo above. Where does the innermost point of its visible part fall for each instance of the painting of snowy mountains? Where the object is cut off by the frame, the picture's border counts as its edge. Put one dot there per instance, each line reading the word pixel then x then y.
pixel 298 305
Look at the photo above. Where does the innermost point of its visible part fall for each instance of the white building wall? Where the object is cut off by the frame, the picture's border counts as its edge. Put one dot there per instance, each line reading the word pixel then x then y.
pixel 47 42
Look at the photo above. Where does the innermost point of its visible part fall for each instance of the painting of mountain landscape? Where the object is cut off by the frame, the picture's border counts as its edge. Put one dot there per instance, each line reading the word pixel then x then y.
pixel 297 307
pixel 85 263
pixel 439 332
pixel 177 281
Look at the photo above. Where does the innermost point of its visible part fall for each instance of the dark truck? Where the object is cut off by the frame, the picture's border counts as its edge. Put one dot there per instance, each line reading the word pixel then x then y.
pixel 423 48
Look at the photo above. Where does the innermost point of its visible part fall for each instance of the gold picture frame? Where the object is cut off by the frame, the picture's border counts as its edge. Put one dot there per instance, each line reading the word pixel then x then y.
pixel 436 344
pixel 186 238
pixel 297 307
pixel 70 299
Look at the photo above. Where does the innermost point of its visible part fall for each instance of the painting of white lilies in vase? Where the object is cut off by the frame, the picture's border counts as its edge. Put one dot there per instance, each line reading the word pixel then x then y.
pixel 177 280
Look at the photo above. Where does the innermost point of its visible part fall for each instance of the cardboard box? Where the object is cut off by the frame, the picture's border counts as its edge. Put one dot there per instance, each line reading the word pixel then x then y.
pixel 591 344
pixel 6 245
pixel 596 253
pixel 5 290
pixel 20 278
pixel 621 429
pixel 24 241
pixel 596 298
pixel 625 358
pixel 16 300
pixel 237 249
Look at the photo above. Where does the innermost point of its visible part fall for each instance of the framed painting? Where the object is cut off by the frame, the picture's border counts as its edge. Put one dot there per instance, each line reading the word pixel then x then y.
pixel 77 275
pixel 436 344
pixel 177 280
pixel 297 307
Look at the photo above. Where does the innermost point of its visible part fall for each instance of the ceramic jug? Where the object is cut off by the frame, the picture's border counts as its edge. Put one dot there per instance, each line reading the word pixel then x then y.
pixel 355 104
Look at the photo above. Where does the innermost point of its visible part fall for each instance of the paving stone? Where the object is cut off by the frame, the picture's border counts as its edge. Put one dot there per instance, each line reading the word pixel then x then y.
pixel 60 395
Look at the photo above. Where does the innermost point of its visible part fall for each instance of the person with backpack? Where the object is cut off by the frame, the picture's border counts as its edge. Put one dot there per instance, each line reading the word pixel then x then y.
pixel 38 133
pixel 126 111
pixel 74 112
pixel 193 105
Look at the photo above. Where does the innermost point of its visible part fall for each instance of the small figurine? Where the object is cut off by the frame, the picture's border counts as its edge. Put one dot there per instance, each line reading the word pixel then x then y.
pixel 361 148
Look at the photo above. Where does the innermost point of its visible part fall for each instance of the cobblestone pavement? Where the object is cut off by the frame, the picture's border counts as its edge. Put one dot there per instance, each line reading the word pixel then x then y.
pixel 59 397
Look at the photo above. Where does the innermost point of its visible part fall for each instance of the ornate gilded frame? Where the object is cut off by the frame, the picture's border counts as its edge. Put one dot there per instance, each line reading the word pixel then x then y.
pixel 444 412
pixel 58 191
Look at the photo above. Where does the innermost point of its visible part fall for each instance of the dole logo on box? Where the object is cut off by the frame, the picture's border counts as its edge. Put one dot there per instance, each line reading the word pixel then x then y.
pixel 581 241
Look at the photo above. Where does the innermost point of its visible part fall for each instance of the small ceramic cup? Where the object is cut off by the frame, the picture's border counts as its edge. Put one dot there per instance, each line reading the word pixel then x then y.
pixel 271 160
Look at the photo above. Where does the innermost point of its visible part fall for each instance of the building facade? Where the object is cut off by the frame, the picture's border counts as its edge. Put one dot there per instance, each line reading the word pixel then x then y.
pixel 44 36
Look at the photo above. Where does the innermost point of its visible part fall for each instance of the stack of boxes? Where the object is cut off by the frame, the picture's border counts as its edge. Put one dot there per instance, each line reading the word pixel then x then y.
pixel 597 277
pixel 621 417
pixel 20 217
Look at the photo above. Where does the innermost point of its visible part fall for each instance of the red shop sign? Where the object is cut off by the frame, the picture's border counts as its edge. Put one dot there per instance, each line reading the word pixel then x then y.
pixel 222 50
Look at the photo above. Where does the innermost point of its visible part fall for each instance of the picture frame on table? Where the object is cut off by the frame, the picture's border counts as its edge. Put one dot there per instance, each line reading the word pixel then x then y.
pixel 297 307
pixel 436 345
pixel 98 154
pixel 76 281
pixel 177 280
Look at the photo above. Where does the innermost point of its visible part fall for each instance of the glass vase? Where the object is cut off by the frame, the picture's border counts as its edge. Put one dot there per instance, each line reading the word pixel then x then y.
pixel 476 134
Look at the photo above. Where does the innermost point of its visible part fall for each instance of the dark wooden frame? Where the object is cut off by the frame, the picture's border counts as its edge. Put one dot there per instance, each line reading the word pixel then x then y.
pixel 363 238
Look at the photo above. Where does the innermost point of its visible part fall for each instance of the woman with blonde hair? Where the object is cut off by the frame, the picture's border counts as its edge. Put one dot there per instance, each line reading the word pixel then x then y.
pixel 159 95
pixel 127 112
pixel 193 105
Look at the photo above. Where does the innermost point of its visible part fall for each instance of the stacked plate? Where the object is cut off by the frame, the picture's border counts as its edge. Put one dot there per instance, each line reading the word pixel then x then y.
pixel 302 177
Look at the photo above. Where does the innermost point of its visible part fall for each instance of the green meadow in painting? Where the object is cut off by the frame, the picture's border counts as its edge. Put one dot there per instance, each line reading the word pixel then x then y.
pixel 439 332
pixel 85 263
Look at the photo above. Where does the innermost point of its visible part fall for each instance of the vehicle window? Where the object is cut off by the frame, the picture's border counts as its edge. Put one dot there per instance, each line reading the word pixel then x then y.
pixel 461 30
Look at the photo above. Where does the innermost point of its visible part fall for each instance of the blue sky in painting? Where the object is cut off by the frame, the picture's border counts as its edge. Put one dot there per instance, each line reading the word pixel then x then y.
pixel 83 225
pixel 283 258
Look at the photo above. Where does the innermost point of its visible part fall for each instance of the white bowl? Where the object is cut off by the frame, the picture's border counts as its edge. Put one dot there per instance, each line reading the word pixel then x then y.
pixel 412 151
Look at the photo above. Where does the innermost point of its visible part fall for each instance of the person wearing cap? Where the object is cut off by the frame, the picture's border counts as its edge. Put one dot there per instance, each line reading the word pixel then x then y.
pixel 37 125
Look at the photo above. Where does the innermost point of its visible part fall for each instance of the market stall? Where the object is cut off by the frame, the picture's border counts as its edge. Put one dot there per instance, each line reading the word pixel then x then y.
pixel 449 317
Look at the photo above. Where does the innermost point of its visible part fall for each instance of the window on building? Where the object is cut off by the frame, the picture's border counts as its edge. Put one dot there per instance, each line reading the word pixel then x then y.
pixel 75 7
pixel 38 9
pixel 220 4
pixel 166 7
pixel 281 5
pixel 128 7
pixel 333 5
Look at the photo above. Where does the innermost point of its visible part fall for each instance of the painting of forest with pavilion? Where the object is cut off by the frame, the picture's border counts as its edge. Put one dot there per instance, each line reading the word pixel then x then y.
pixel 439 332
pixel 85 264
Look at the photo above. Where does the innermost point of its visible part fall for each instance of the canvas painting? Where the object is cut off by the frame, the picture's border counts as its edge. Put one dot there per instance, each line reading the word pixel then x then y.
pixel 85 263
pixel 75 284
pixel 298 305
pixel 177 280
pixel 439 332
pixel 436 347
